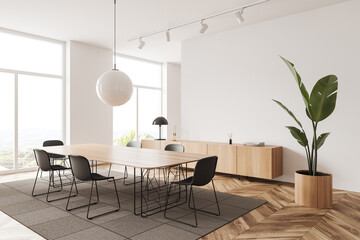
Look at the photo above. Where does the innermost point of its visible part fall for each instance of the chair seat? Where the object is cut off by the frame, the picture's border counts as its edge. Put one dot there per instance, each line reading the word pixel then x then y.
pixel 98 177
pixel 59 167
pixel 187 181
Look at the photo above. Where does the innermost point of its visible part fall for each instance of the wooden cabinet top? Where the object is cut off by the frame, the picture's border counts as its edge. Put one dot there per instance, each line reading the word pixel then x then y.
pixel 207 142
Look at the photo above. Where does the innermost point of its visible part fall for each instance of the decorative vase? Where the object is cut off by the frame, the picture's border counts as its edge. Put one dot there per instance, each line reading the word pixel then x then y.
pixel 313 191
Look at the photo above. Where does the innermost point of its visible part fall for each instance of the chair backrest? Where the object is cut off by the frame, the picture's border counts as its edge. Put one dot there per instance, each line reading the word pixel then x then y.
pixel 175 148
pixel 134 144
pixel 50 143
pixel 80 167
pixel 42 159
pixel 204 171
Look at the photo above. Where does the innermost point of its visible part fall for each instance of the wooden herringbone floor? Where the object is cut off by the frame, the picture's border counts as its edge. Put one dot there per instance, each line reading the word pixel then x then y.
pixel 281 218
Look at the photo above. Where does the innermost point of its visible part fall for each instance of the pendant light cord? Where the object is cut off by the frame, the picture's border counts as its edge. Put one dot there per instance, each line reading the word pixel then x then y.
pixel 114 60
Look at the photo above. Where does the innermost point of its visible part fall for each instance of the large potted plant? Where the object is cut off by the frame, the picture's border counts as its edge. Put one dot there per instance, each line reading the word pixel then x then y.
pixel 312 187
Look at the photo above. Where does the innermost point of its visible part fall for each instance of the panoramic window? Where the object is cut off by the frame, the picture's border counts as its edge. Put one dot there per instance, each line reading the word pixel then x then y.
pixel 133 120
pixel 31 97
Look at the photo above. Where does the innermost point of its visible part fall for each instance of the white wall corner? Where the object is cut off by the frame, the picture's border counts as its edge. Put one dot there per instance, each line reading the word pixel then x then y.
pixel 88 119
pixel 172 74
pixel 67 94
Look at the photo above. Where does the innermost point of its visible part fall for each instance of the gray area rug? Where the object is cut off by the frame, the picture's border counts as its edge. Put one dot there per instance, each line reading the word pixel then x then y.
pixel 52 221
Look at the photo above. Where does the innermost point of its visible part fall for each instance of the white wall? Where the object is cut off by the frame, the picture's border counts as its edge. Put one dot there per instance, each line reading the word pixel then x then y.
pixel 88 119
pixel 229 79
pixel 171 86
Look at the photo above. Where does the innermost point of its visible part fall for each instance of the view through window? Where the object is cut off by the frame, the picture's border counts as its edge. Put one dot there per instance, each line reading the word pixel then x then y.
pixel 31 96
pixel 133 120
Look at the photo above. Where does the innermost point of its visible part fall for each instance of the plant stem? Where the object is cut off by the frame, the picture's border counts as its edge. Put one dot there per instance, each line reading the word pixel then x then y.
pixel 308 158
pixel 307 150
pixel 312 155
pixel 315 150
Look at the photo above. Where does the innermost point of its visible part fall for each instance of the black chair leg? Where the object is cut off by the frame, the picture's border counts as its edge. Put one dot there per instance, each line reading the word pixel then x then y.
pixel 72 184
pixel 216 200
pixel 193 198
pixel 37 173
pixel 176 220
pixel 32 193
pixel 61 187
pixel 97 195
pixel 97 191
pixel 92 203
pixel 85 205
pixel 117 195
pixel 67 204
pixel 92 186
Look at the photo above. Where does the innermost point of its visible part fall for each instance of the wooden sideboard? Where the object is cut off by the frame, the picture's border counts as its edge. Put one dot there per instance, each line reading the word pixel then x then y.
pixel 261 162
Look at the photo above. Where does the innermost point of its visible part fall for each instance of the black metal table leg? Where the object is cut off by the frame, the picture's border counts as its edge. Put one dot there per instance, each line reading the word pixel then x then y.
pixel 135 192
pixel 141 193
pixel 186 176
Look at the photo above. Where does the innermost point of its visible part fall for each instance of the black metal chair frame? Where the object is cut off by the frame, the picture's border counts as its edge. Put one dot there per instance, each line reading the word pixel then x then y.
pixel 92 179
pixel 187 182
pixel 51 169
pixel 55 157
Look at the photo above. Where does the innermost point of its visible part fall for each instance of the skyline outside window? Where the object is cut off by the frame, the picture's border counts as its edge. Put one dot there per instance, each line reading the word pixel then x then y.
pixel 31 96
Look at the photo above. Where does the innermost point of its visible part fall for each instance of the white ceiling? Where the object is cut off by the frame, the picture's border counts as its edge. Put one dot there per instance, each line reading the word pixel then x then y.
pixel 91 21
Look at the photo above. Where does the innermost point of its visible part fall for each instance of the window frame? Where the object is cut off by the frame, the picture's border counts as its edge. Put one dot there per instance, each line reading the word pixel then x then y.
pixel 137 87
pixel 16 74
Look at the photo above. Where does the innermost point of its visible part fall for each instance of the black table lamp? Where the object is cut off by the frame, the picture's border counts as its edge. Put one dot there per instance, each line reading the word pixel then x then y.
pixel 160 121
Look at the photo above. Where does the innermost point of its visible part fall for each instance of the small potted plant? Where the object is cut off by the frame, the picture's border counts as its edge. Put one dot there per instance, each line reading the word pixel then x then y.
pixel 312 187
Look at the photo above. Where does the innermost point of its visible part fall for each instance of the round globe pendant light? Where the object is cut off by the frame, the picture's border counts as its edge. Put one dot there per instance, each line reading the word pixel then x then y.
pixel 114 87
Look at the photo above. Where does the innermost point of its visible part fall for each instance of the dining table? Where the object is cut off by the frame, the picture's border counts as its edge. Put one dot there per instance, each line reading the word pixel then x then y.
pixel 148 198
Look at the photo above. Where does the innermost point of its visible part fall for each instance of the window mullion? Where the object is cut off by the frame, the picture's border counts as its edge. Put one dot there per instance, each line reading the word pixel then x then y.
pixel 16 124
pixel 137 114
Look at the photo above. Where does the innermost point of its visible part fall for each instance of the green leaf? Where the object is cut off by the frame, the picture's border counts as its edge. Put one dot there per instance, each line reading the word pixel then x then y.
pixel 298 135
pixel 288 111
pixel 303 91
pixel 307 113
pixel 323 98
pixel 321 139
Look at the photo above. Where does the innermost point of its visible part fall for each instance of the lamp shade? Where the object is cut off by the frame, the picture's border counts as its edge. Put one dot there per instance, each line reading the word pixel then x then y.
pixel 114 88
pixel 160 121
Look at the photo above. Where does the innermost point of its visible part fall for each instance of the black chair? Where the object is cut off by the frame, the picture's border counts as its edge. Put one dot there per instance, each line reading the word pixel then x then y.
pixel 43 161
pixel 55 157
pixel 203 174
pixel 134 144
pixel 51 143
pixel 81 170
pixel 175 148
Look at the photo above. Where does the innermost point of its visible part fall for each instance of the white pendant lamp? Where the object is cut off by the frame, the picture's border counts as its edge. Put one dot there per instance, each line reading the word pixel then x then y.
pixel 114 87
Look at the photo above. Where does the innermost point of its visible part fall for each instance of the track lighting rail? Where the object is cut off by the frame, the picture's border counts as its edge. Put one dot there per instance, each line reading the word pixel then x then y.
pixel 167 30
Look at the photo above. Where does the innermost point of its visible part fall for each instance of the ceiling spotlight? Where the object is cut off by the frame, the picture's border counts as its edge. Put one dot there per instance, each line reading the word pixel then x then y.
pixel 141 43
pixel 204 26
pixel 239 16
pixel 168 35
